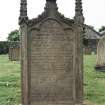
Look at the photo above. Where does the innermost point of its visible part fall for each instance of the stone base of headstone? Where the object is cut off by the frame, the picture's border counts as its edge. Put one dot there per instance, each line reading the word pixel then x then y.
pixel 100 68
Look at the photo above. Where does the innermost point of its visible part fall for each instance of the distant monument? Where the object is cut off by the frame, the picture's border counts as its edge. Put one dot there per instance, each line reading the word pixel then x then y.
pixel 51 56
pixel 101 55
pixel 14 51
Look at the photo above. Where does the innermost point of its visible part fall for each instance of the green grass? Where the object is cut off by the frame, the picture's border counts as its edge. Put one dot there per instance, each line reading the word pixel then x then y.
pixel 9 81
pixel 94 88
pixel 10 92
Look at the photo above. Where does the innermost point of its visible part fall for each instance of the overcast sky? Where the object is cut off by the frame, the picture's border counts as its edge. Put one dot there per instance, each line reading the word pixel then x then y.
pixel 94 12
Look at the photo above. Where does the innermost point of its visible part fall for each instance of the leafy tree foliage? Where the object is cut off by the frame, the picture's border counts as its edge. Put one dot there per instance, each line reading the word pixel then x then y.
pixel 14 36
pixel 102 29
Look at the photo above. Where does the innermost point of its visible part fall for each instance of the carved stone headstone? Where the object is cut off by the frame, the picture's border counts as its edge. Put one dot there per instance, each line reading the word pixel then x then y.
pixel 51 56
pixel 101 55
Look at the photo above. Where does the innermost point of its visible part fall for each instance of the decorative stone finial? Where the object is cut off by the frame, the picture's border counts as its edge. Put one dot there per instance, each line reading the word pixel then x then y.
pixel 51 0
pixel 23 11
pixel 79 12
pixel 51 7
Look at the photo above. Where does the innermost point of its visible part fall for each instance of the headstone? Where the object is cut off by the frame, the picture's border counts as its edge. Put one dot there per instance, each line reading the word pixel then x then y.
pixel 101 55
pixel 14 51
pixel 51 57
pixel 87 51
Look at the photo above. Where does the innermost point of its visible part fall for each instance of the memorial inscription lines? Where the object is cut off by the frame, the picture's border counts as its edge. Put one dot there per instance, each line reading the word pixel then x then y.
pixel 51 60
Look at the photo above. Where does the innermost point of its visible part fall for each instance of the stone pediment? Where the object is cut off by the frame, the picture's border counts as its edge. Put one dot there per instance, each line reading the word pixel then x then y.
pixel 45 16
pixel 50 12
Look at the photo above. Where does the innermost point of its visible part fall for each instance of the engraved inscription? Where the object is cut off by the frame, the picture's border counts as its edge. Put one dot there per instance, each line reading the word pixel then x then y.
pixel 51 63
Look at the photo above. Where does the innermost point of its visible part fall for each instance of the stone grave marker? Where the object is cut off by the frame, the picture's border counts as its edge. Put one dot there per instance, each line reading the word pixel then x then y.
pixel 14 51
pixel 100 66
pixel 51 57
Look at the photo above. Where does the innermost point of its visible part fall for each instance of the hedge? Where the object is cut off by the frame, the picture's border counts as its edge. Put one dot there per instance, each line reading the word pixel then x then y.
pixel 4 47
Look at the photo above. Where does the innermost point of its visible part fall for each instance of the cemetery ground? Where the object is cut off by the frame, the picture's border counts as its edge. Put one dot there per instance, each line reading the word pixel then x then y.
pixel 10 91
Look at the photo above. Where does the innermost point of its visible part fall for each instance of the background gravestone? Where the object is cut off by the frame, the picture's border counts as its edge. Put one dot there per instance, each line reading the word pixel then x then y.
pixel 14 51
pixel 51 57
pixel 101 55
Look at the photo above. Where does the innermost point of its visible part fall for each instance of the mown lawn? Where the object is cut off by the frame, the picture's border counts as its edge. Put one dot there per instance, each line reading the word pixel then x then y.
pixel 9 81
pixel 10 92
pixel 94 82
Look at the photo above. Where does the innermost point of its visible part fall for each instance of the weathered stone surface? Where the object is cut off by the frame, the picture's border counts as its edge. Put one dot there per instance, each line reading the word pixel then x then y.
pixel 101 55
pixel 14 54
pixel 14 51
pixel 51 62
pixel 51 55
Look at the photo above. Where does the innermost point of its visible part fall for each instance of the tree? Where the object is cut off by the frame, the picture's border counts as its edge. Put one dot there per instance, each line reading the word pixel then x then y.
pixel 102 29
pixel 14 36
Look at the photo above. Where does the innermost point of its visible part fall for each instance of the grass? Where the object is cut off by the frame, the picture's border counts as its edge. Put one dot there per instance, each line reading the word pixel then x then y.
pixel 94 81
pixel 10 92
pixel 9 81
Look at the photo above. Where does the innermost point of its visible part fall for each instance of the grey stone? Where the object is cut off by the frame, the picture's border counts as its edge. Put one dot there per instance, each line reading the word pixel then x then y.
pixel 100 66
pixel 14 51
pixel 51 58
